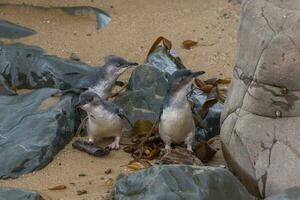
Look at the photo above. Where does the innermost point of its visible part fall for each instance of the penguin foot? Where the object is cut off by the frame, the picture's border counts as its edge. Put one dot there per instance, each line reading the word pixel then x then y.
pixel 168 147
pixel 189 148
pixel 115 144
pixel 90 141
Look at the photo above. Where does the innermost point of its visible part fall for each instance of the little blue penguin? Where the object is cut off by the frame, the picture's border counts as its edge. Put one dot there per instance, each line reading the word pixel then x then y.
pixel 105 78
pixel 176 123
pixel 105 119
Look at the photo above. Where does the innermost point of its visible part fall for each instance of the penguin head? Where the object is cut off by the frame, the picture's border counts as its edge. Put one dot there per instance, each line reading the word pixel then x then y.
pixel 87 100
pixel 182 80
pixel 115 65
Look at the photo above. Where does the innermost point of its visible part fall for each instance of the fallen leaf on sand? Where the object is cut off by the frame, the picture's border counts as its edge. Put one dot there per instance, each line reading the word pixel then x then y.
pixel 81 192
pixel 59 187
pixel 189 44
pixel 136 166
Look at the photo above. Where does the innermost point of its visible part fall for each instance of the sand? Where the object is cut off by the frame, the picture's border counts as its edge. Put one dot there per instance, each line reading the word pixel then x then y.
pixel 134 27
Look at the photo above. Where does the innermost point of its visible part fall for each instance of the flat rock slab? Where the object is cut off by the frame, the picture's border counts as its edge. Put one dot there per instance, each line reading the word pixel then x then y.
pixel 30 136
pixel 29 67
pixel 180 182
pixel 260 120
pixel 13 31
pixel 18 194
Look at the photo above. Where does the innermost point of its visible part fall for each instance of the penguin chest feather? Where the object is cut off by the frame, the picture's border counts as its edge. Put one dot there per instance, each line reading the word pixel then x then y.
pixel 102 123
pixel 176 123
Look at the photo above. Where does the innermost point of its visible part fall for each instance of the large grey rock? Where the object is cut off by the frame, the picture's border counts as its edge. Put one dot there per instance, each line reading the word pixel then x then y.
pixel 261 118
pixel 174 182
pixel 289 194
pixel 30 136
pixel 18 194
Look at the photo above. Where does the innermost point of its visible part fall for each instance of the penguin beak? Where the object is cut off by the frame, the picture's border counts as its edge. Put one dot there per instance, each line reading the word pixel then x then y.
pixel 196 74
pixel 131 64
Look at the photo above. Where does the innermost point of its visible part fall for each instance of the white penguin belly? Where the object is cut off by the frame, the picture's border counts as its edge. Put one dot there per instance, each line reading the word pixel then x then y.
pixel 176 124
pixel 104 125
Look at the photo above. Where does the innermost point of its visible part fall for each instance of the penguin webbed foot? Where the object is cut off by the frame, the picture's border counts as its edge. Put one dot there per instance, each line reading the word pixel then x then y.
pixel 115 144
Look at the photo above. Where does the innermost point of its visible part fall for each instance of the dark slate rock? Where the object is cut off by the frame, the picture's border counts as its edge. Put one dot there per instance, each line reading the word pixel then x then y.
pixel 30 138
pixel 13 31
pixel 4 88
pixel 140 104
pixel 211 119
pixel 147 76
pixel 289 194
pixel 163 60
pixel 180 182
pixel 28 67
pixel 18 194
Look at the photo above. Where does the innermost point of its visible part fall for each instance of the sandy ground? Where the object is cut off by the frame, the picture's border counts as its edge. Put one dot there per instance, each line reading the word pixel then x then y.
pixel 134 27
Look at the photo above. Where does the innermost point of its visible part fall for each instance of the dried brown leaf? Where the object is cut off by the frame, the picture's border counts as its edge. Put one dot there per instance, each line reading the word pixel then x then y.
pixel 167 43
pixel 136 166
pixel 59 187
pixel 222 88
pixel 141 127
pixel 204 151
pixel 189 44
pixel 199 83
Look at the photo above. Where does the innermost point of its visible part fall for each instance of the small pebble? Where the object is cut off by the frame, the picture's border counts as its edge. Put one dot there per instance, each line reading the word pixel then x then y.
pixel 75 57
pixel 278 113
pixel 107 171
pixel 284 90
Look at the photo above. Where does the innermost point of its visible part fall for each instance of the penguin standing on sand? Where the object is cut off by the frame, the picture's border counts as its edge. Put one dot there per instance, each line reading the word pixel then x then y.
pixel 105 119
pixel 176 123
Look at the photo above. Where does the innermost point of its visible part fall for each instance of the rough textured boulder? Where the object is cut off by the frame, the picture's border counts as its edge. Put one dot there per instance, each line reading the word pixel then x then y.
pixel 18 194
pixel 180 182
pixel 261 118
